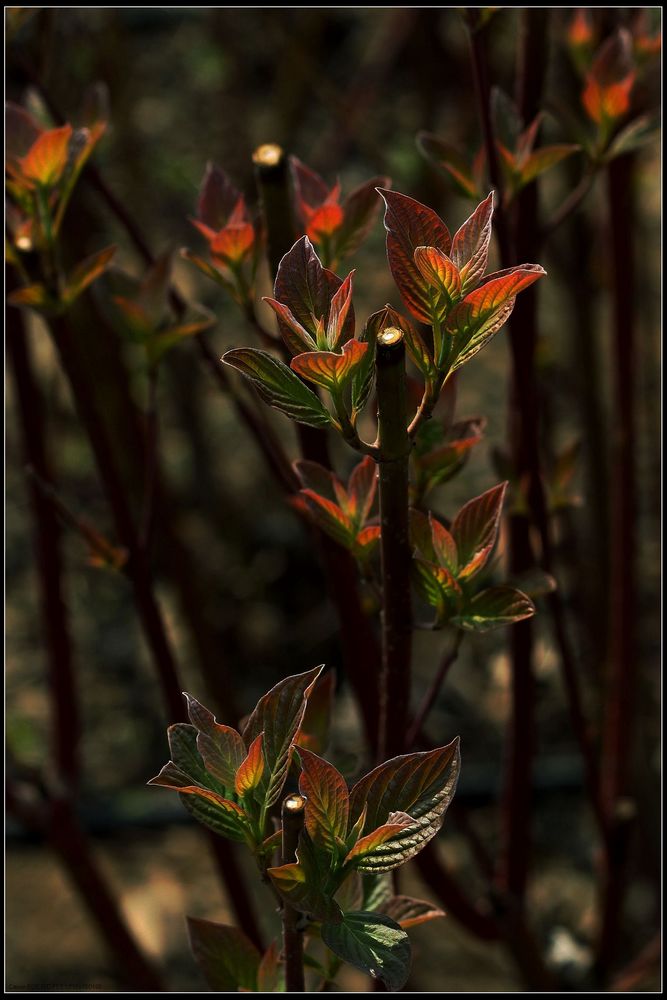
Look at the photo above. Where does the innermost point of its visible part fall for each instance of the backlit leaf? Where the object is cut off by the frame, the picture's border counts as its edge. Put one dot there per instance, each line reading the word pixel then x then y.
pixel 409 225
pixel 278 714
pixel 545 158
pixel 330 518
pixel 228 960
pixel 306 884
pixel 611 78
pixel 470 246
pixel 477 317
pixel 381 850
pixel 329 370
pixel 251 769
pixel 442 278
pixel 316 477
pixel 451 161
pixel 86 272
pixel 475 529
pixel 47 157
pixel 419 784
pixel 36 296
pixel 307 288
pixel 338 313
pixel 217 197
pixel 271 972
pixel 316 725
pixel 228 816
pixel 373 943
pixel 327 801
pixel 367 541
pixel 409 912
pixel 436 585
pixel 221 747
pixel 360 210
pixel 444 545
pixel 279 386
pixel 324 221
pixel 361 489
pixel 493 608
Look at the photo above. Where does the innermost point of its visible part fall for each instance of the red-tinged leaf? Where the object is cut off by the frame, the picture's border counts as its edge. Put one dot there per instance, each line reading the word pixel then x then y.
pixel 316 725
pixel 444 545
pixel 327 801
pixel 437 586
pixel 330 518
pixel 475 529
pixel 440 465
pixel 494 608
pixel 331 371
pixel 21 131
pixel 367 541
pixel 360 210
pixel 323 221
pixel 47 157
pixel 86 272
pixel 296 337
pixel 251 769
pixel 309 186
pixel 451 161
pixel 217 198
pixel 373 943
pixel 228 817
pixel 421 535
pixel 307 884
pixel 361 490
pixel 221 747
pixel 161 342
pixel 364 374
pixel 442 279
pixel 409 225
pixel 474 321
pixel 36 296
pixel 233 243
pixel 608 85
pixel 316 477
pixel 209 270
pixel 419 784
pixel 470 246
pixel 279 715
pixel 545 158
pixel 307 288
pixel 279 386
pixel 338 313
pixel 271 972
pixel 409 912
pixel 380 851
pixel 228 960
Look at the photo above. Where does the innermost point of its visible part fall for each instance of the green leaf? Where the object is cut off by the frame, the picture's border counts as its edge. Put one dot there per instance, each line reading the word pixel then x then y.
pixel 419 784
pixel 545 158
pixel 493 608
pixel 409 912
pixel 211 816
pixel 373 943
pixel 309 884
pixel 279 715
pixel 279 386
pixel 271 973
pixel 437 586
pixel 85 273
pixel 327 801
pixel 386 847
pixel 226 957
pixel 221 747
pixel 475 529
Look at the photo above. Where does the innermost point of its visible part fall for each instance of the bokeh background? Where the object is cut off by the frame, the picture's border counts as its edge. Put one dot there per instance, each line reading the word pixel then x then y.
pixel 346 90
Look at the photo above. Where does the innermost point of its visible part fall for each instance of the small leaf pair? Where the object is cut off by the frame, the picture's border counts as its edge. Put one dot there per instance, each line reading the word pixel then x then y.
pixel 229 781
pixel 442 279
pixel 37 296
pixel 146 316
pixel 234 239
pixel 337 228
pixel 446 561
pixel 440 454
pixel 341 512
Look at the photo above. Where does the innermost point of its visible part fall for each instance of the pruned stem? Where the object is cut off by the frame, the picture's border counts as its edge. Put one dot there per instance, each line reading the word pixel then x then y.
pixel 292 814
pixel 394 445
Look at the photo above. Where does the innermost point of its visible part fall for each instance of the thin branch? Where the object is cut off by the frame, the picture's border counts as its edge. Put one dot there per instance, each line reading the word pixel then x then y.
pixel 417 724
pixel 150 461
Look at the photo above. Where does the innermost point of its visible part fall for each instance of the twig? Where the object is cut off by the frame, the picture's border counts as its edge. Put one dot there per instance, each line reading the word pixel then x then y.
pixel 65 722
pixel 150 461
pixel 292 815
pixel 431 694
pixel 619 707
pixel 396 557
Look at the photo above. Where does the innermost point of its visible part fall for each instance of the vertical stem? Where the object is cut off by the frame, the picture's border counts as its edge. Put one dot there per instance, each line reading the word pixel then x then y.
pixel 292 819
pixel 394 445
pixel 618 722
pixel 358 640
pixel 150 461
pixel 64 701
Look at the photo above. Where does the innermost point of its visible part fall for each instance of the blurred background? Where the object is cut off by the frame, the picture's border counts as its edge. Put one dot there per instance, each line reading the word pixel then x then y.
pixel 237 575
